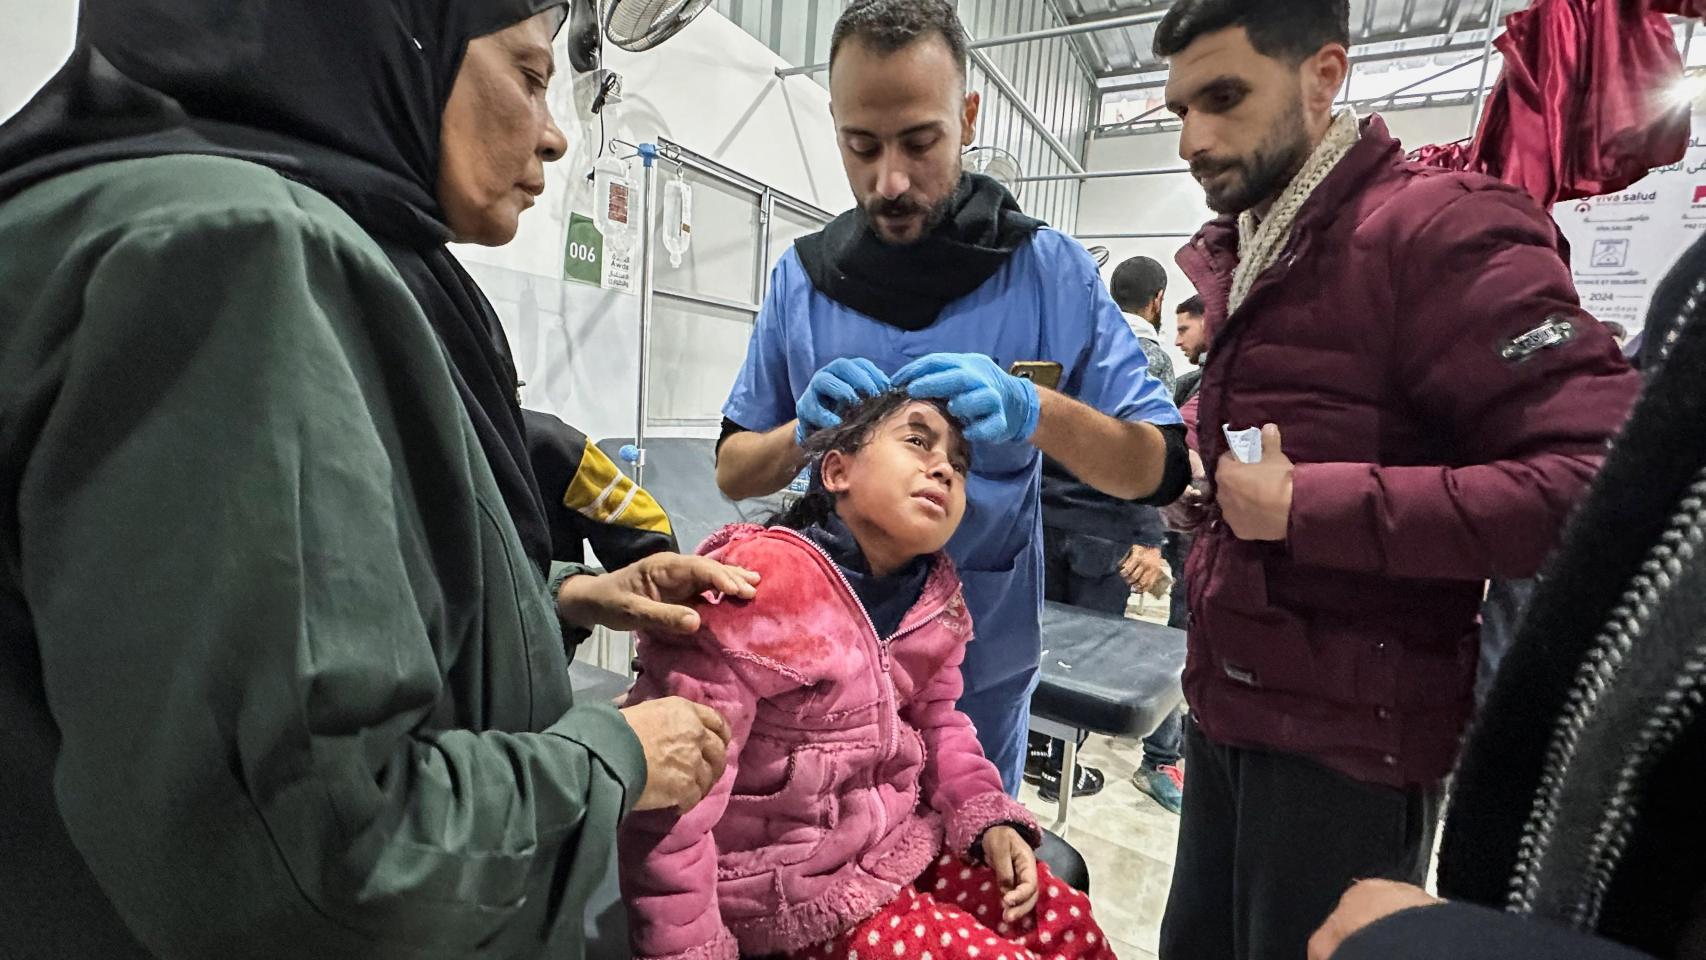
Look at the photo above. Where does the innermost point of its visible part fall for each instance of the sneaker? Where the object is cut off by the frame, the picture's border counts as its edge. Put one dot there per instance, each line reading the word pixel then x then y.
pixel 1090 782
pixel 1166 785
pixel 1038 750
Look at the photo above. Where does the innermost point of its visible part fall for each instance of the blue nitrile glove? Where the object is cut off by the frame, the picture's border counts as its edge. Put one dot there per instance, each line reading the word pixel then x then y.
pixel 841 382
pixel 995 406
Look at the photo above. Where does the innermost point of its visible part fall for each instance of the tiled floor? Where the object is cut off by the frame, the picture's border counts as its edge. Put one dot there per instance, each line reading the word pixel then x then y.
pixel 1127 840
pixel 1128 843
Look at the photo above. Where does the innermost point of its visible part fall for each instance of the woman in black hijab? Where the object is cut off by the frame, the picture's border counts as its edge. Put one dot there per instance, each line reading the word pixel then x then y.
pixel 356 100
pixel 276 672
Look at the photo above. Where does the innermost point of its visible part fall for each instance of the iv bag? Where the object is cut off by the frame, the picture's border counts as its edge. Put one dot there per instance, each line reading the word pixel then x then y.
pixel 613 194
pixel 677 217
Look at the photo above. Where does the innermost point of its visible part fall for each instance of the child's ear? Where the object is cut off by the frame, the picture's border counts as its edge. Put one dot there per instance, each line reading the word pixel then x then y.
pixel 835 471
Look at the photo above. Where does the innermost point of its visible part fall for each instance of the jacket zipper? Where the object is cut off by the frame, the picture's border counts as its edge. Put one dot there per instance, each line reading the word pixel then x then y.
pixel 1226 354
pixel 1683 702
pixel 889 716
pixel 1647 590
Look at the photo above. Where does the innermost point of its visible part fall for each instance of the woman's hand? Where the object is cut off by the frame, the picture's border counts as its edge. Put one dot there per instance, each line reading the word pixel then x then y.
pixel 650 595
pixel 686 747
pixel 1015 865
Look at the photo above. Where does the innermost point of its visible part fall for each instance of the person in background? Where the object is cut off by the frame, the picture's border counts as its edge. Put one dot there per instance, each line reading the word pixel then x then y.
pixel 280 675
pixel 937 282
pixel 1139 286
pixel 589 500
pixel 1191 337
pixel 1431 400
pixel 1159 774
pixel 1192 340
pixel 1097 549
pixel 1574 831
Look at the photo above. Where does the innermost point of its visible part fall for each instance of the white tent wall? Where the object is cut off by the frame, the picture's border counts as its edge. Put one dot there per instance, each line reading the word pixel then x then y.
pixel 36 39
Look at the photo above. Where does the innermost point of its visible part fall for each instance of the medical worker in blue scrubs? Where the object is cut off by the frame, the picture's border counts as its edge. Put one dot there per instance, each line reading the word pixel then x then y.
pixel 938 283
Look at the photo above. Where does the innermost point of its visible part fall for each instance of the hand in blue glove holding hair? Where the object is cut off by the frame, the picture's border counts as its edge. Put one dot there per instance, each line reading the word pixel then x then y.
pixel 841 382
pixel 995 406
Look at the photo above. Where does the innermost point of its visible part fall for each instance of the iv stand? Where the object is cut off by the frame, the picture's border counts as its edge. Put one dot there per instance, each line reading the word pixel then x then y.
pixel 635 453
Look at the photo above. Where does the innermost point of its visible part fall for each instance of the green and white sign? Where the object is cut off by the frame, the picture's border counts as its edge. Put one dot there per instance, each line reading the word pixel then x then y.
pixel 583 257
pixel 586 260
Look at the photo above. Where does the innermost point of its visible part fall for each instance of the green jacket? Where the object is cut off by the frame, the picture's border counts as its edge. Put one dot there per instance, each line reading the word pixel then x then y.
pixel 275 677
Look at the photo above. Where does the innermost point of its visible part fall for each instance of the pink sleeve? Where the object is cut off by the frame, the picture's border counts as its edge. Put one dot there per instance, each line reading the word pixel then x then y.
pixel 1528 425
pixel 959 782
pixel 669 862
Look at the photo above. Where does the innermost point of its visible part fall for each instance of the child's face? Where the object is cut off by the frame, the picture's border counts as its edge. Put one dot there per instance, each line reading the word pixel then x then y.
pixel 908 483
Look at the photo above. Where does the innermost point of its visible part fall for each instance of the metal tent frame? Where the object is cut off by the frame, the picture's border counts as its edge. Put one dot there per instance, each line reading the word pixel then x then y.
pixel 1119 20
pixel 768 200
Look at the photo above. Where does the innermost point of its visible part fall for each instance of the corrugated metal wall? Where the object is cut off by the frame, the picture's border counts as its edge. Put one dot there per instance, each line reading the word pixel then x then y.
pixel 1050 74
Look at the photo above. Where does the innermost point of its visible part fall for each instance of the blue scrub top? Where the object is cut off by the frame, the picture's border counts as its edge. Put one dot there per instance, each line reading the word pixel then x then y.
pixel 1048 303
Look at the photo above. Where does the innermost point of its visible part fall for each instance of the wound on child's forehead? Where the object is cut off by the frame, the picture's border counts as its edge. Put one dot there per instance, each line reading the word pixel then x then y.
pixel 917 417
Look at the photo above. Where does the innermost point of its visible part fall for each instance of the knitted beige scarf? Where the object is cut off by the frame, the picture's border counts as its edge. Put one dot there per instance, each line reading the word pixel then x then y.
pixel 1260 241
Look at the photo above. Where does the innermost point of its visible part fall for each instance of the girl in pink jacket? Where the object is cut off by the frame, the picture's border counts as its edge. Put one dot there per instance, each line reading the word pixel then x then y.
pixel 857 817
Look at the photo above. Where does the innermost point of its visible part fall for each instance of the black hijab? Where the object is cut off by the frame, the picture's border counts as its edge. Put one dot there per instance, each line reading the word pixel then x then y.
pixel 907 286
pixel 345 96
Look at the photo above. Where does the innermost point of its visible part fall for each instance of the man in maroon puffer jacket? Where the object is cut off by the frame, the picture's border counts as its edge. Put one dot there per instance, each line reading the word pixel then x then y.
pixel 1435 401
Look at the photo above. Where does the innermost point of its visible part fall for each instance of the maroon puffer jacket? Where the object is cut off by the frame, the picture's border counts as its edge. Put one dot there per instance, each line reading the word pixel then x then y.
pixel 1436 446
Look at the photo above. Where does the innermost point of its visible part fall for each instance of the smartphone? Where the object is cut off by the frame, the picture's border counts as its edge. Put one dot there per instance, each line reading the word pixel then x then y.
pixel 1043 373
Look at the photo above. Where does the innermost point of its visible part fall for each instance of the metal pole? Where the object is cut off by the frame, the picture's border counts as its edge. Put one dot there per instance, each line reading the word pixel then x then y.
pixel 766 211
pixel 1070 30
pixel 1116 86
pixel 1486 62
pixel 1458 9
pixel 1406 88
pixel 1134 121
pixel 1019 104
pixel 705 166
pixel 1102 175
pixel 648 187
pixel 1068 780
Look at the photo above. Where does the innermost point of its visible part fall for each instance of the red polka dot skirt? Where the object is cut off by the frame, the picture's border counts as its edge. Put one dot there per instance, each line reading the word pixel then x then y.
pixel 954 912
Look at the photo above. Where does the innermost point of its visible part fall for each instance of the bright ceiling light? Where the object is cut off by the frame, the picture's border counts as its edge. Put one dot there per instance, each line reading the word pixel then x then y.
pixel 1689 89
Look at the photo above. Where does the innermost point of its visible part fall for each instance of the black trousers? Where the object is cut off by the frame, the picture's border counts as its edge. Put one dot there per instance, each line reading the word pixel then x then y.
pixel 1174 551
pixel 1084 571
pixel 1269 842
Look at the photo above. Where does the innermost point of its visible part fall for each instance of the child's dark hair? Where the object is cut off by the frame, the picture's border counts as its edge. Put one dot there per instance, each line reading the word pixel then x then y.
pixel 858 423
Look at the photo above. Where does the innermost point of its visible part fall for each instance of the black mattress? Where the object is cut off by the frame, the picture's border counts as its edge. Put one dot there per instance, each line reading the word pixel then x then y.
pixel 1101 673
pixel 1108 674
